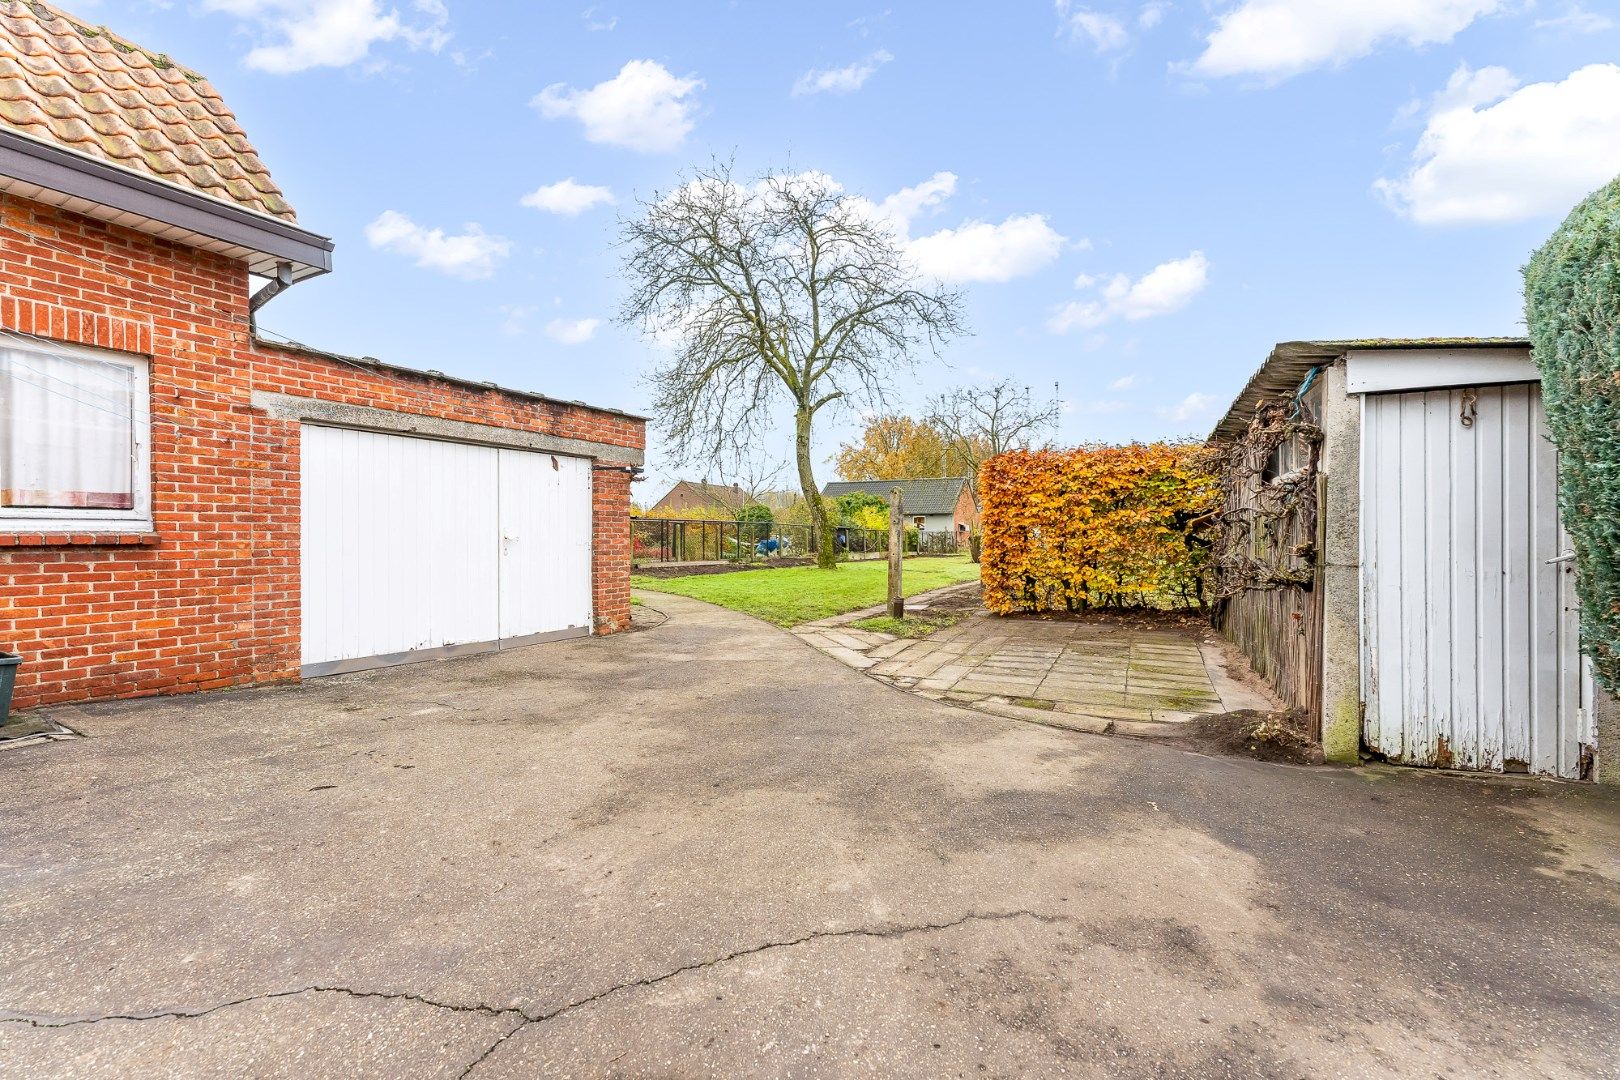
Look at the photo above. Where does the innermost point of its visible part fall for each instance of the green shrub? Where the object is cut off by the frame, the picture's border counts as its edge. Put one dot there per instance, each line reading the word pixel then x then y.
pixel 1572 307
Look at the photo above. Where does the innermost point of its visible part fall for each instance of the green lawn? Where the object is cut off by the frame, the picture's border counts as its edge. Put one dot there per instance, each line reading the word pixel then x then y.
pixel 800 594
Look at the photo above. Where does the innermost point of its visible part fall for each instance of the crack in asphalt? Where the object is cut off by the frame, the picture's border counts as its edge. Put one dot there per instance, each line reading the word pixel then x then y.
pixel 891 931
pixel 192 1014
pixel 525 1018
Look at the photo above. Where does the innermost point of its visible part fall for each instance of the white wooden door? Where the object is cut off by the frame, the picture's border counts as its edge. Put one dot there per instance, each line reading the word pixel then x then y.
pixel 1470 650
pixel 545 543
pixel 402 551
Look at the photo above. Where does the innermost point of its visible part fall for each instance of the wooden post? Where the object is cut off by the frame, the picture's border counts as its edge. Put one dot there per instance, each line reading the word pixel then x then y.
pixel 897 543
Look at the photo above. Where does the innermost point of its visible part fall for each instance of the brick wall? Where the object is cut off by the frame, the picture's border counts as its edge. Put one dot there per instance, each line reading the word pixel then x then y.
pixel 967 511
pixel 211 597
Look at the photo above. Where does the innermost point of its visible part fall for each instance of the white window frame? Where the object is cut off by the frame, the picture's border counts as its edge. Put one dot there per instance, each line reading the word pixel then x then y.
pixel 138 518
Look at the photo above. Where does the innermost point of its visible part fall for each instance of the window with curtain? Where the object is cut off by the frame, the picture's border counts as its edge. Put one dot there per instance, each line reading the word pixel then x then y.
pixel 73 436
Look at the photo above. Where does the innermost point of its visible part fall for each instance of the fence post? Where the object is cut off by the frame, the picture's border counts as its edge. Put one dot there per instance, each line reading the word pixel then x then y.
pixel 897 602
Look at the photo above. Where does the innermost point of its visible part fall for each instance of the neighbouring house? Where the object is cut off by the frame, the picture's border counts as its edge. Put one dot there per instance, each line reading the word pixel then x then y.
pixel 1391 558
pixel 699 496
pixel 186 505
pixel 944 504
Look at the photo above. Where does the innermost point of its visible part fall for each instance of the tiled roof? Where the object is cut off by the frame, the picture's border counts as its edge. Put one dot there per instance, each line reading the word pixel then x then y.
pixel 66 82
pixel 936 495
pixel 722 496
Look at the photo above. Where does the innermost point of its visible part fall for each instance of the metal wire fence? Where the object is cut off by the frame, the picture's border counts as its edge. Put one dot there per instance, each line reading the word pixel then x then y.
pixel 688 540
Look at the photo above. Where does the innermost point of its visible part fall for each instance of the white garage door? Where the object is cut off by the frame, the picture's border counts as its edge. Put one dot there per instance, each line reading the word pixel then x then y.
pixel 415 548
pixel 1470 648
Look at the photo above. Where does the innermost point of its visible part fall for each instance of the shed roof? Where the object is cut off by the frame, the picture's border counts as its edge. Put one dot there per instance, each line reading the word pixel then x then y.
pixel 933 495
pixel 1290 361
pixel 69 83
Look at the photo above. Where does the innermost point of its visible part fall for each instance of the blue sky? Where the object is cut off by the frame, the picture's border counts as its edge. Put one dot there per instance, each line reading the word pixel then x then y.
pixel 1137 198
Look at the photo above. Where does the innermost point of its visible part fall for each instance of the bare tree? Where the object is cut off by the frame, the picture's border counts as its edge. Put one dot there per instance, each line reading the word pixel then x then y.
pixel 756 478
pixel 785 290
pixel 979 422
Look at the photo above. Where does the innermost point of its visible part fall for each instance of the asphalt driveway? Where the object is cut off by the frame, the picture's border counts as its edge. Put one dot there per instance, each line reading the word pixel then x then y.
pixel 708 849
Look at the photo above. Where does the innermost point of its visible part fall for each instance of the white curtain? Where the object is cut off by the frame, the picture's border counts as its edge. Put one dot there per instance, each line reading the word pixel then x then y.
pixel 67 426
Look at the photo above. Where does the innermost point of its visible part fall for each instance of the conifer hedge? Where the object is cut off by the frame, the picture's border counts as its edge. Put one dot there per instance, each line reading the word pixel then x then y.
pixel 1572 308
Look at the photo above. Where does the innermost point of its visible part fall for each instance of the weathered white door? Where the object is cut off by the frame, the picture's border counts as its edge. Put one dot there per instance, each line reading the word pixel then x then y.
pixel 545 543
pixel 1470 650
pixel 403 555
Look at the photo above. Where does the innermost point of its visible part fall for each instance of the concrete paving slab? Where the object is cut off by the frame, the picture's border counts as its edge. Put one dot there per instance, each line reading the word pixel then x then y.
pixel 1105 710
pixel 891 649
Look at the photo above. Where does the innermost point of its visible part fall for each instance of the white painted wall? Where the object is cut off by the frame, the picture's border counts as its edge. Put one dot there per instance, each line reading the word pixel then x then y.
pixel 1470 652
pixel 1376 371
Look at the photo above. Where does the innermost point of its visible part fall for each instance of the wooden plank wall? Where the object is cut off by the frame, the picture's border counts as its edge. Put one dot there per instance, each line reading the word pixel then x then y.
pixel 1278 627
pixel 1280 631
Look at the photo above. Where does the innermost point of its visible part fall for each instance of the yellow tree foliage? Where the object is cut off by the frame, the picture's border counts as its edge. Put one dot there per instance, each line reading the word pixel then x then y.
pixel 1098 525
pixel 894 448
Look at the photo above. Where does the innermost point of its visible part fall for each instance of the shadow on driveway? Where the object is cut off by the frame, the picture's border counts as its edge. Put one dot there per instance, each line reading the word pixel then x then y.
pixel 708 849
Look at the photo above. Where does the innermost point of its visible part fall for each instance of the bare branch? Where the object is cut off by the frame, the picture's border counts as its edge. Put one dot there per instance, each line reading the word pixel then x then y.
pixel 979 422
pixel 786 291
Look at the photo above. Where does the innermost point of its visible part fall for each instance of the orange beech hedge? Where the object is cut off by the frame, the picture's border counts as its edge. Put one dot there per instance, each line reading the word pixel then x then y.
pixel 1097 525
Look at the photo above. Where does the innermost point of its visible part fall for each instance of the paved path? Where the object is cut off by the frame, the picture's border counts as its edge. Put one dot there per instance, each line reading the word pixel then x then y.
pixel 707 850
pixel 1099 676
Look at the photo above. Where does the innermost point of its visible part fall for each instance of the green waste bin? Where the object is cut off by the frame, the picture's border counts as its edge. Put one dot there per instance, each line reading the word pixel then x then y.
pixel 8 679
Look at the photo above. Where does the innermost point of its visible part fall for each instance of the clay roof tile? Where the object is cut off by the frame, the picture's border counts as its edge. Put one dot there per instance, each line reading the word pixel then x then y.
pixel 65 81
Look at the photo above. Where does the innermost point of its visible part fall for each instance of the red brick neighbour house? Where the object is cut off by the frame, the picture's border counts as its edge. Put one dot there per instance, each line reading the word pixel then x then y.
pixel 184 505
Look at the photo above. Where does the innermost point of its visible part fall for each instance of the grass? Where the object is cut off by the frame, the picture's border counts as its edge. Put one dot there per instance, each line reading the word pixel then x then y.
pixel 800 594
pixel 912 626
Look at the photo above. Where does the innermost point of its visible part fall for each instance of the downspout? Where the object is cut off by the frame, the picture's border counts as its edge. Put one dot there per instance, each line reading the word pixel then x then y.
pixel 275 287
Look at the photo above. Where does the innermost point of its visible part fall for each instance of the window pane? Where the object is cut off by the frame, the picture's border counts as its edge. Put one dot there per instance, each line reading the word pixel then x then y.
pixel 66 431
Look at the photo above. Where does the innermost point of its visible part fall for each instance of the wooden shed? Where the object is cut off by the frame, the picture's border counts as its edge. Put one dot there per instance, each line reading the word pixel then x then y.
pixel 1391 559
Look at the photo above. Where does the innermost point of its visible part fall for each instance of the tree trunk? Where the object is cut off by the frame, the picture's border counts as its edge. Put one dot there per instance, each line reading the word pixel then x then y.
pixel 826 557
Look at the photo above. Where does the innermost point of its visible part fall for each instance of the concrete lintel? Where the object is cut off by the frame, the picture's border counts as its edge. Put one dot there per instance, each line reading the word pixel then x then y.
pixel 338 414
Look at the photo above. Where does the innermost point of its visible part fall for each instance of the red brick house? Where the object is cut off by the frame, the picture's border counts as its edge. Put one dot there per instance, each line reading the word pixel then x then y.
pixel 695 495
pixel 185 505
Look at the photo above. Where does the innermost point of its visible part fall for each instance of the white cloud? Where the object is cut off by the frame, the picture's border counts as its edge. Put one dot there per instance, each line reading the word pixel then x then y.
pixel 297 35
pixel 1277 39
pixel 1168 287
pixel 1537 150
pixel 1152 14
pixel 643 107
pixel 567 197
pixel 572 331
pixel 1105 32
pixel 843 80
pixel 973 250
pixel 903 207
pixel 471 255
pixel 1124 382
pixel 515 318
pixel 981 251
pixel 594 20
pixel 1188 407
pixel 1577 20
